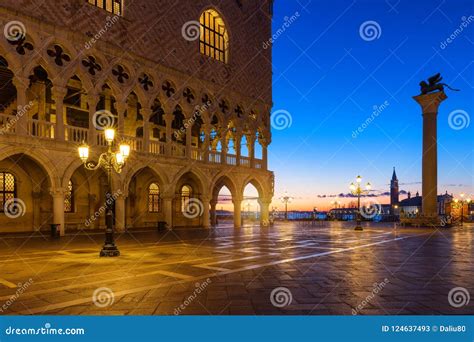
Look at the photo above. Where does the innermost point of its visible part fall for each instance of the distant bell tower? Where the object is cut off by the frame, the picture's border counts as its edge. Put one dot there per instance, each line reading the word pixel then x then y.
pixel 394 190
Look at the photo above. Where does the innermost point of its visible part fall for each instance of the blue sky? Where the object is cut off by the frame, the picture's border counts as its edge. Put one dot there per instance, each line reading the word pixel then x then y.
pixel 330 77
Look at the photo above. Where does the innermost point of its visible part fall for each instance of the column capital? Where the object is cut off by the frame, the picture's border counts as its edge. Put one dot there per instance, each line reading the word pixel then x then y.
pixel 146 113
pixel 430 102
pixel 59 92
pixel 57 192
pixel 21 82
pixel 121 107
pixel 265 201
pixel 92 99
pixel 237 199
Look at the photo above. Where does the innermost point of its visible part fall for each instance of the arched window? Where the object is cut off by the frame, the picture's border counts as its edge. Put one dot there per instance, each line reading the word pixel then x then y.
pixel 112 6
pixel 186 194
pixel 69 198
pixel 214 39
pixel 154 198
pixel 7 189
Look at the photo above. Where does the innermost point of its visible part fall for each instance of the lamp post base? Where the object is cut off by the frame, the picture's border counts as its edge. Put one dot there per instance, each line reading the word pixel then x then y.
pixel 359 228
pixel 109 251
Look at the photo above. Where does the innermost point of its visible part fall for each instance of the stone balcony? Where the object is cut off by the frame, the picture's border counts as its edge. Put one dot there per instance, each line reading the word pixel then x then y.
pixel 46 131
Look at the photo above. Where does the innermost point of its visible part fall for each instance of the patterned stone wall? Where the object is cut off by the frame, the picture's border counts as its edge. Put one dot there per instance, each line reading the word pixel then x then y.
pixel 153 30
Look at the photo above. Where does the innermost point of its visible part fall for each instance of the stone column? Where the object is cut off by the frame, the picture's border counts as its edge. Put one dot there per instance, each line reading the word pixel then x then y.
pixel 120 213
pixel 264 156
pixel 237 211
pixel 168 210
pixel 224 148
pixel 146 113
pixel 36 195
pixel 251 149
pixel 205 145
pixel 213 213
pixel 58 209
pixel 169 130
pixel 188 141
pixel 429 105
pixel 21 85
pixel 238 148
pixel 121 108
pixel 205 213
pixel 264 211
pixel 92 101
pixel 58 96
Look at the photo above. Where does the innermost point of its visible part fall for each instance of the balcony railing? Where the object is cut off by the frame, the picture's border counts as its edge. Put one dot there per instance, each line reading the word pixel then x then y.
pixel 77 134
pixel 46 130
pixel 231 159
pixel 41 129
pixel 245 161
pixel 197 154
pixel 178 150
pixel 157 147
pixel 215 157
pixel 136 144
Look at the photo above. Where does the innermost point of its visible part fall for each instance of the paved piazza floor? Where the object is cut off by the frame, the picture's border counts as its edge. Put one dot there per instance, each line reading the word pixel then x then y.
pixel 323 269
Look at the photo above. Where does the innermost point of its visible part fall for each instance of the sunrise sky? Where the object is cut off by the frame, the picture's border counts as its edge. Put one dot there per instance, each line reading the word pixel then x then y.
pixel 331 81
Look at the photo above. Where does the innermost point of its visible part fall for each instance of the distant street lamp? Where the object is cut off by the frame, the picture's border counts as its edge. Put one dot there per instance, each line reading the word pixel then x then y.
pixel 336 204
pixel 108 161
pixel 462 202
pixel 357 190
pixel 285 200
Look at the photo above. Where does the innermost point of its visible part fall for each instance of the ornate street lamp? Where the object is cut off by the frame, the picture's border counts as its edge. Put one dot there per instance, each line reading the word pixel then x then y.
pixel 462 202
pixel 356 189
pixel 109 161
pixel 285 200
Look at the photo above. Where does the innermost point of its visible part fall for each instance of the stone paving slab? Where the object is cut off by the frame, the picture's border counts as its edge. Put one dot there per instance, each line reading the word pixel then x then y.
pixel 287 269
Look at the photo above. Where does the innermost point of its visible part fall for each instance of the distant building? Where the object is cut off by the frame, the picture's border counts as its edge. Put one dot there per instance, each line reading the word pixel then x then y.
pixel 394 190
pixel 412 206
